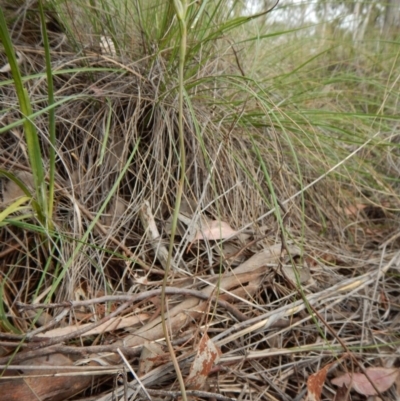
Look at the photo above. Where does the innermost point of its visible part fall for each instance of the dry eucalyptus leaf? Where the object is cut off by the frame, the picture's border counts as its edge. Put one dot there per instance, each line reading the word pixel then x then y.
pixel 150 357
pixel 229 251
pixel 353 210
pixel 315 383
pixel 207 355
pixel 383 379
pixel 215 230
pixel 44 384
pixel 41 320
pixel 303 274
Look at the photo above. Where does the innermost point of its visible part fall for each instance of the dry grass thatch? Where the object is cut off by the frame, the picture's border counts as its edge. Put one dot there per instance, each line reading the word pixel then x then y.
pixel 282 298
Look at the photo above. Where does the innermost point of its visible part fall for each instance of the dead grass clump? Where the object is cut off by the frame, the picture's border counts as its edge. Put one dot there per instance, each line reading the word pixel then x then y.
pixel 296 285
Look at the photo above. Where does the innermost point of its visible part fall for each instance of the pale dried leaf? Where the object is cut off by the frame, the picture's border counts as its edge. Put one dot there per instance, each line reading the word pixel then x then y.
pixel 383 378
pixel 301 274
pixel 215 230
pixel 397 386
pixel 230 251
pixel 43 318
pixel 207 355
pixel 150 357
pixel 353 210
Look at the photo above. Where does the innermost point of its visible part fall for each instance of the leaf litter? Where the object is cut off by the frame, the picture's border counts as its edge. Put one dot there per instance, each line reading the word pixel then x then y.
pixel 383 378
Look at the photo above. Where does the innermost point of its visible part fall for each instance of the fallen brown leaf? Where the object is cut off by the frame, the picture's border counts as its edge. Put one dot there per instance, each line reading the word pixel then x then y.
pixel 315 383
pixel 207 355
pixel 383 378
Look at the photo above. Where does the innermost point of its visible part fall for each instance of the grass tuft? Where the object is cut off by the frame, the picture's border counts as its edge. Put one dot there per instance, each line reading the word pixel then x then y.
pixel 129 129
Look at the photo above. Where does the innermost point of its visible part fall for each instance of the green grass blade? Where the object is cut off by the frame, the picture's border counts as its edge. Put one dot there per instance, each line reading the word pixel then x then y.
pixel 14 207
pixel 52 120
pixel 106 134
pixel 32 140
